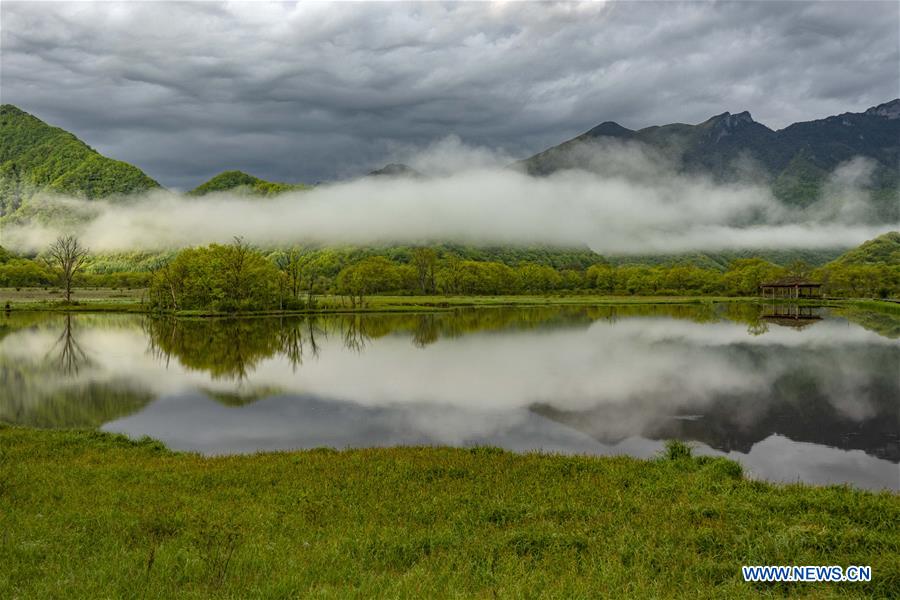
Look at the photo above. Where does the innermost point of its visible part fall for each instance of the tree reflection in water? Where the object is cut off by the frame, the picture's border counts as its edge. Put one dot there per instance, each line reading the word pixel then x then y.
pixel 295 341
pixel 232 348
pixel 67 354
pixel 355 331
pixel 54 388
pixel 711 384
pixel 426 332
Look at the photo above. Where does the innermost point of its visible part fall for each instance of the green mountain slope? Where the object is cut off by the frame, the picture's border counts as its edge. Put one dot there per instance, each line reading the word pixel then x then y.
pixel 796 160
pixel 37 157
pixel 883 250
pixel 243 183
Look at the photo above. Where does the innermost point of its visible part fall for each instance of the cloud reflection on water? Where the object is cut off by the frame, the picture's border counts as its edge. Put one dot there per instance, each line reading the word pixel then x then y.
pixel 587 385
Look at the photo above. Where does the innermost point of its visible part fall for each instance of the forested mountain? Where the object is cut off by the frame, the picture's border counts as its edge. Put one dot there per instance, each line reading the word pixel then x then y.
pixel 35 156
pixel 796 160
pixel 883 250
pixel 243 183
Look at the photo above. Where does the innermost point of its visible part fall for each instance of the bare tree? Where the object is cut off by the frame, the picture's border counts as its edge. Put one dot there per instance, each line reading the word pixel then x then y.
pixel 68 255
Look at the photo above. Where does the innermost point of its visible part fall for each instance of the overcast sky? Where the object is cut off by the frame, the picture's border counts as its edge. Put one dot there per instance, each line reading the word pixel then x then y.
pixel 318 91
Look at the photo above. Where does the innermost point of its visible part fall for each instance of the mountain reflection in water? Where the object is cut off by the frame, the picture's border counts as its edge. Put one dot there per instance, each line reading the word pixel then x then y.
pixel 817 403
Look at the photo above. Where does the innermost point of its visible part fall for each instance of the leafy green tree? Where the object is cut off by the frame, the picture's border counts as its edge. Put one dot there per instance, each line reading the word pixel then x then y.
pixel 484 278
pixel 860 280
pixel 291 263
pixel 572 279
pixel 21 272
pixel 638 280
pixel 538 278
pixel 368 276
pixel 602 277
pixel 449 276
pixel 745 275
pixel 229 278
pixel 425 262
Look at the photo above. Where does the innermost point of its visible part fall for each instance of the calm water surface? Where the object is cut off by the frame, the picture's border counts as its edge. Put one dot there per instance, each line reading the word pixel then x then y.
pixel 793 394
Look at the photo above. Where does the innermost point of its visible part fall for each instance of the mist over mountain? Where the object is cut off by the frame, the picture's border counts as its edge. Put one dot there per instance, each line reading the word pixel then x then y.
pixel 705 194
pixel 795 161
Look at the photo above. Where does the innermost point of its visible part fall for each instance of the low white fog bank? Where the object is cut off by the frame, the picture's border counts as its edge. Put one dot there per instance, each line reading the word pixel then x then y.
pixel 640 204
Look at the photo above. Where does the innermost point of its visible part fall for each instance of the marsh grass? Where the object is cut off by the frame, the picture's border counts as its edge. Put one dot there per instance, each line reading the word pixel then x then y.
pixel 130 301
pixel 106 300
pixel 677 450
pixel 91 515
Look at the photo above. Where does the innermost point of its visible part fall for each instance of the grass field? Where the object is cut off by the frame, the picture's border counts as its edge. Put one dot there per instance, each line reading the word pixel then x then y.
pixel 89 515
pixel 130 300
pixel 108 300
pixel 49 296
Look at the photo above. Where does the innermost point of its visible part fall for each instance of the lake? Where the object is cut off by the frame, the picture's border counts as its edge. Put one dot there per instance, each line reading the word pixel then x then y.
pixel 793 393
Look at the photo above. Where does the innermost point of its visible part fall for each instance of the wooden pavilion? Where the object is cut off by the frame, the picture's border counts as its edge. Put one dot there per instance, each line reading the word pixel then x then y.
pixel 791 287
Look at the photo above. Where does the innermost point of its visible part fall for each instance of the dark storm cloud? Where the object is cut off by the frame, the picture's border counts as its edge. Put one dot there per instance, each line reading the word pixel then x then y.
pixel 319 91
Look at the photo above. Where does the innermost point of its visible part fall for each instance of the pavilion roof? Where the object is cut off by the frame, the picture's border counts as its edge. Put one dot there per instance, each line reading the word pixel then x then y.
pixel 791 281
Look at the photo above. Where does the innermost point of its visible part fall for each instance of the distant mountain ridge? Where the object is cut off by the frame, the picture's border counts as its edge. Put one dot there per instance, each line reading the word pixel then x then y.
pixel 394 170
pixel 35 156
pixel 796 161
pixel 720 260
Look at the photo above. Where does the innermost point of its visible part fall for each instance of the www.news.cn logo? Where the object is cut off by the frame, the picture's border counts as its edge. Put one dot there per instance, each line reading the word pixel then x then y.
pixel 809 573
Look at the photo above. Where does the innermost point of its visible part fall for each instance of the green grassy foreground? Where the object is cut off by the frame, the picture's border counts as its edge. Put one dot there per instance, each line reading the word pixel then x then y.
pixel 90 515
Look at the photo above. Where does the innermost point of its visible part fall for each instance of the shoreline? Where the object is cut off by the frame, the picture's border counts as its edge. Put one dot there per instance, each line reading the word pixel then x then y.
pixel 110 301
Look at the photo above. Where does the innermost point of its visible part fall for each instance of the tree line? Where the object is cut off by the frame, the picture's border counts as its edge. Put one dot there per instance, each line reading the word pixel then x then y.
pixel 238 277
